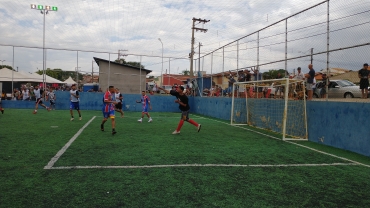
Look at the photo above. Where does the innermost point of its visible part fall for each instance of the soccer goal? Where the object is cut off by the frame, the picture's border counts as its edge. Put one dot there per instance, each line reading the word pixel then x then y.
pixel 277 105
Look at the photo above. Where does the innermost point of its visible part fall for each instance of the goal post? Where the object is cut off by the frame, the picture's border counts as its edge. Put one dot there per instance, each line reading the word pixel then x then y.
pixel 277 105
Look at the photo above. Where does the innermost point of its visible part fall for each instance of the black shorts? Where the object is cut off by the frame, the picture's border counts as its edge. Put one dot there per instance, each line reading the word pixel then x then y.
pixel 39 101
pixel 119 106
pixel 364 83
pixel 185 115
pixel 52 102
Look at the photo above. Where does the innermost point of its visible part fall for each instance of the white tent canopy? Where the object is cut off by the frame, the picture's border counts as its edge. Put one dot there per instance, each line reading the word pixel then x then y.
pixel 6 75
pixel 48 79
pixel 69 81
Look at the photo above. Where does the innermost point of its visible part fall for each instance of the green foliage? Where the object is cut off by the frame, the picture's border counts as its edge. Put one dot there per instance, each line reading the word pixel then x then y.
pixel 131 63
pixel 272 74
pixel 185 72
pixel 6 66
pixel 60 74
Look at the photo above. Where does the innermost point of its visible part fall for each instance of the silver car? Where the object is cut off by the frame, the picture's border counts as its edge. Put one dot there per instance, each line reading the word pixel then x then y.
pixel 343 89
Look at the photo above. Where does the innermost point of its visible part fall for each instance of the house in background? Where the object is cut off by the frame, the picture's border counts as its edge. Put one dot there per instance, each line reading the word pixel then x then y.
pixel 129 79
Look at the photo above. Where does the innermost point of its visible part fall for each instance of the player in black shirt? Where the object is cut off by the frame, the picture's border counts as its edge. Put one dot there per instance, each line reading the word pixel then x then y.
pixel 183 102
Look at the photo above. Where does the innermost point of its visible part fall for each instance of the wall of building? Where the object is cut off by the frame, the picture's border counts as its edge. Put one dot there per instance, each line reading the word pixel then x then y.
pixel 125 78
pixel 339 124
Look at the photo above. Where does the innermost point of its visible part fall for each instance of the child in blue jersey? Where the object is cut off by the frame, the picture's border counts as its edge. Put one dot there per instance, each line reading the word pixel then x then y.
pixel 109 101
pixel 146 103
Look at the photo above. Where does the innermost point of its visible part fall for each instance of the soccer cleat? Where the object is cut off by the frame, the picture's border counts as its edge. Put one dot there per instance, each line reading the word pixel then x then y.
pixel 199 126
pixel 80 118
pixel 101 127
pixel 150 120
pixel 176 132
pixel 48 109
pixel 34 112
pixel 140 120
pixel 72 119
pixel 114 132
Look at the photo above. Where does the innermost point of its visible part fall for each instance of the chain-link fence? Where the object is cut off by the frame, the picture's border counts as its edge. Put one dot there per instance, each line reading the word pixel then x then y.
pixel 332 35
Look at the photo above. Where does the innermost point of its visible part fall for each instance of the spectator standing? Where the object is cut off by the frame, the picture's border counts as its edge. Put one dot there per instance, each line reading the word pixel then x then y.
pixel 52 98
pixel 363 74
pixel 248 76
pixel 300 75
pixel 279 88
pixel 241 78
pixel 3 96
pixel 25 93
pixel 231 82
pixel 310 81
pixel 324 83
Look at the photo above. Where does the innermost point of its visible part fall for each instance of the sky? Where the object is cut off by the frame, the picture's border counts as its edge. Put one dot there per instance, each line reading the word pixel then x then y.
pixel 83 29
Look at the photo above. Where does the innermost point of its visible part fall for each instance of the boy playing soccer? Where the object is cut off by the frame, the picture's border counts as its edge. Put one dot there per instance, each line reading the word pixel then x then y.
pixel 39 94
pixel 146 102
pixel 75 102
pixel 119 99
pixel 108 108
pixel 183 102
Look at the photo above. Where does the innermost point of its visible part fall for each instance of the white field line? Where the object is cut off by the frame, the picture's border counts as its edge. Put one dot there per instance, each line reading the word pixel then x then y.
pixel 325 153
pixel 201 165
pixel 61 152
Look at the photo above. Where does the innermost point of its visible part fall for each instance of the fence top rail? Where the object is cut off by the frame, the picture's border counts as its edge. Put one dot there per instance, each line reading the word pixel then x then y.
pixel 257 31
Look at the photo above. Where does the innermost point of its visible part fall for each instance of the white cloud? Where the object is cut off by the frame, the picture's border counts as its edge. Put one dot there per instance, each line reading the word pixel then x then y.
pixel 110 25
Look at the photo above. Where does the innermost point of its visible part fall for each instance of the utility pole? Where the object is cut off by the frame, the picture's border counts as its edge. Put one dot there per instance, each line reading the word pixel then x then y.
pixel 92 71
pixel 119 54
pixel 200 44
pixel 311 55
pixel 191 55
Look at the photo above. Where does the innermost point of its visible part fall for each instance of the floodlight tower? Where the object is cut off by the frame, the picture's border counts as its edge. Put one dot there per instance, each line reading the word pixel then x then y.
pixel 44 10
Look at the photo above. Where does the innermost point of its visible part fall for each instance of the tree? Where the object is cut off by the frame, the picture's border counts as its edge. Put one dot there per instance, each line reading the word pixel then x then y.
pixel 121 61
pixel 272 74
pixel 6 66
pixel 131 63
pixel 185 72
pixel 60 74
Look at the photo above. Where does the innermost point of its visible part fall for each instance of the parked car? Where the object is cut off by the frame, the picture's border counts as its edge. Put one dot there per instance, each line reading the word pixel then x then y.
pixel 341 89
pixel 166 87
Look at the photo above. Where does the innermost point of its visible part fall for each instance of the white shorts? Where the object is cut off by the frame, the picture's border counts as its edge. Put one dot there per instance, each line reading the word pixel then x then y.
pixel 310 86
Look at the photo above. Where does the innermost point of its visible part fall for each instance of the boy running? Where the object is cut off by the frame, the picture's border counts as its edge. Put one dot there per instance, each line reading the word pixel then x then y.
pixel 146 102
pixel 75 102
pixel 39 93
pixel 108 108
pixel 119 98
pixel 183 102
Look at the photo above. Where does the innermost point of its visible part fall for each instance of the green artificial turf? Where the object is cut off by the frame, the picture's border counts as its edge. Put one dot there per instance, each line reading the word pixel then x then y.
pixel 144 165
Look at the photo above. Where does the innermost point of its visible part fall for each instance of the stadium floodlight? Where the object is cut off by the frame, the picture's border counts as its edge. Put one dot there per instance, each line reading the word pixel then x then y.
pixel 44 11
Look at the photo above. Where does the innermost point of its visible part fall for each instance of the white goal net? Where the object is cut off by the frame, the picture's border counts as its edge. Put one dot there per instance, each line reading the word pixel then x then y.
pixel 277 105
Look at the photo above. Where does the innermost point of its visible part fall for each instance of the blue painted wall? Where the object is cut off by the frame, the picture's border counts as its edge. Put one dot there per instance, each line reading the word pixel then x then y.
pixel 94 101
pixel 339 124
pixel 343 125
